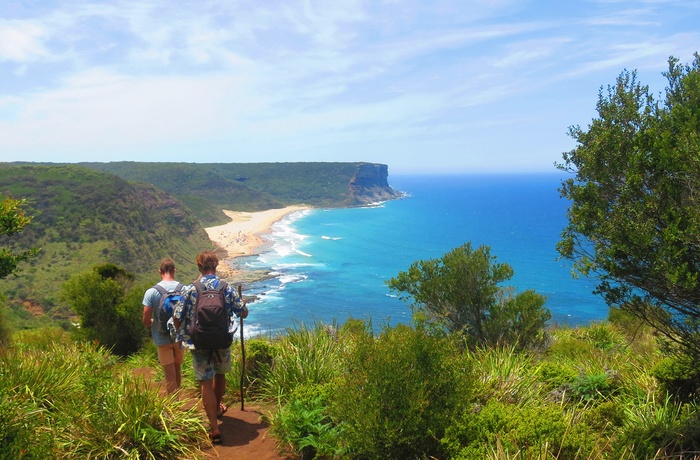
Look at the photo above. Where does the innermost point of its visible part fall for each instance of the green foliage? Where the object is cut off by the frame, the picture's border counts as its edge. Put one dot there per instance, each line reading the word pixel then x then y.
pixel 537 431
pixel 504 374
pixel 659 429
pixel 461 293
pixel 5 332
pixel 84 218
pixel 605 417
pixel 303 356
pixel 259 358
pixel 305 425
pixel 634 219
pixel 591 388
pixel 76 401
pixel 12 221
pixel 399 394
pixel 678 377
pixel 109 308
pixel 208 188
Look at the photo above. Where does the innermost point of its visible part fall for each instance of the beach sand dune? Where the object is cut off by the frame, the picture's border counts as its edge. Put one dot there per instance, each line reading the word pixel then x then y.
pixel 243 235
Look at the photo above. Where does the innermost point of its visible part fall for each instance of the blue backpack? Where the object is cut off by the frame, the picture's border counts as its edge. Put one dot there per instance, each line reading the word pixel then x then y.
pixel 168 298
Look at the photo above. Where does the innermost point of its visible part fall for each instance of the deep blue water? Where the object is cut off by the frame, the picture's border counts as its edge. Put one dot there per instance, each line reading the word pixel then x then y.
pixel 331 264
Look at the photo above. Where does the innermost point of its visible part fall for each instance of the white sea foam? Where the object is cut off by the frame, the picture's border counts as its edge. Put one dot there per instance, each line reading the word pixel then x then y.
pixel 333 238
pixel 285 279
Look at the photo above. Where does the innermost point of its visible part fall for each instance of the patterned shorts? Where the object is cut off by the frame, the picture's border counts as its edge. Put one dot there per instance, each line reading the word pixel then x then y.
pixel 207 363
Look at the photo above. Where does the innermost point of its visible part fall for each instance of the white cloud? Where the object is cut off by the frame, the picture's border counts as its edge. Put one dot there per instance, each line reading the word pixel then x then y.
pixel 308 79
pixel 22 41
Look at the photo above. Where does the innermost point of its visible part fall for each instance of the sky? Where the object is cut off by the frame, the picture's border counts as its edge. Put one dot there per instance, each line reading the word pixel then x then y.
pixel 424 86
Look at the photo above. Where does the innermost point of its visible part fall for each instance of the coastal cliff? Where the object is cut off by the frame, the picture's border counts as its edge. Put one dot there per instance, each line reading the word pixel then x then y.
pixel 370 184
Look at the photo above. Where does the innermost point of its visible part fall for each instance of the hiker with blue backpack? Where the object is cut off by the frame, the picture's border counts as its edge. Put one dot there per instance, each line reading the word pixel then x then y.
pixel 158 304
pixel 205 322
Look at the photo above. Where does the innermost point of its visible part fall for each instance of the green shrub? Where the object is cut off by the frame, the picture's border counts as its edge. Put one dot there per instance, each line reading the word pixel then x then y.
pixel 605 416
pixel 399 393
pixel 260 354
pixel 556 374
pixel 678 376
pixel 305 425
pixel 602 336
pixel 109 307
pixel 592 388
pixel 537 431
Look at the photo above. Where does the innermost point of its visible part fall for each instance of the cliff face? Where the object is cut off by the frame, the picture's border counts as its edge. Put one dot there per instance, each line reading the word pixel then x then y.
pixel 370 185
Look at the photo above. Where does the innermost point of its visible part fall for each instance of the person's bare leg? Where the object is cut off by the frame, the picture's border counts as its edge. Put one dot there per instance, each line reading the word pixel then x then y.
pixel 210 405
pixel 171 382
pixel 178 375
pixel 219 389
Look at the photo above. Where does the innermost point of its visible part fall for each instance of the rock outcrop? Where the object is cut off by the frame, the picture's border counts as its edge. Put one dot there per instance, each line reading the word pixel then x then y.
pixel 370 185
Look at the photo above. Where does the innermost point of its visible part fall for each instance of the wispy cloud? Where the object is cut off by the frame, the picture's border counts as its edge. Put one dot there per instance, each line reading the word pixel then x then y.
pixel 300 80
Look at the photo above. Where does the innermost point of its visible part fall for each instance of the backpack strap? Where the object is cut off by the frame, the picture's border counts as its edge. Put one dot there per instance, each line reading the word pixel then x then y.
pixel 199 286
pixel 164 291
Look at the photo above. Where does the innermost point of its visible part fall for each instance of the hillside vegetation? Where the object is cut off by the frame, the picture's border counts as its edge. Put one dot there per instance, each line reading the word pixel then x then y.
pixel 134 214
pixel 596 392
pixel 207 188
pixel 83 218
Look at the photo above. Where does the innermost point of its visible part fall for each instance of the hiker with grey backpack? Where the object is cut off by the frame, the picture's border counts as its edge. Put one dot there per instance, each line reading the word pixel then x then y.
pixel 158 304
pixel 205 322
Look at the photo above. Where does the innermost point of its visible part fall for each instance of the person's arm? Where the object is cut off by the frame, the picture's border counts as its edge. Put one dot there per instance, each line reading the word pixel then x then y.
pixel 237 304
pixel 147 315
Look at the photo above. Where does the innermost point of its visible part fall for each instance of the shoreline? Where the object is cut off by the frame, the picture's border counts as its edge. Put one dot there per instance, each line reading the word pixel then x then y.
pixel 242 237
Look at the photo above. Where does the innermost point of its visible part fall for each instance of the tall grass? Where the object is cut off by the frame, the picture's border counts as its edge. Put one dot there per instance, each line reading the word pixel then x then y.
pixel 305 356
pixel 349 393
pixel 70 400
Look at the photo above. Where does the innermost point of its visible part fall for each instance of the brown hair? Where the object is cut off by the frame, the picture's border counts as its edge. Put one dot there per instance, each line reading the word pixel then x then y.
pixel 167 266
pixel 207 262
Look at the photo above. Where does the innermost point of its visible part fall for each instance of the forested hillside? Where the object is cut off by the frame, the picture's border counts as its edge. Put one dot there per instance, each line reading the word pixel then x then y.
pixel 84 217
pixel 208 188
pixel 133 214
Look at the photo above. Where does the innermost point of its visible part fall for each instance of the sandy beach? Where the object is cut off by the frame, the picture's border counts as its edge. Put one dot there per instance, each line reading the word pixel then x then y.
pixel 242 236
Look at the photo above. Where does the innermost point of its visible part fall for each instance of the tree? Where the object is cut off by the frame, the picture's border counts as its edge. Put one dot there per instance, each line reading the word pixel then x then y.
pixel 12 220
pixel 109 307
pixel 634 218
pixel 461 293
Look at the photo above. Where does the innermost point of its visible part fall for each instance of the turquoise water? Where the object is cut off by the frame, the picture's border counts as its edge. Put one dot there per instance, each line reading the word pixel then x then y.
pixel 332 264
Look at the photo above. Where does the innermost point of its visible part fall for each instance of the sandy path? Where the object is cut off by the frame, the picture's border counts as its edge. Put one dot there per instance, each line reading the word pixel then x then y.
pixel 242 236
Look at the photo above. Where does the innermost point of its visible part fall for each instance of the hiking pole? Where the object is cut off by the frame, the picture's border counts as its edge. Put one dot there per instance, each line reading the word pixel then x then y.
pixel 240 296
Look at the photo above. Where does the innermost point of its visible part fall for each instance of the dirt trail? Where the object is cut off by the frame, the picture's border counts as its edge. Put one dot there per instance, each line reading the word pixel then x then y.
pixel 245 436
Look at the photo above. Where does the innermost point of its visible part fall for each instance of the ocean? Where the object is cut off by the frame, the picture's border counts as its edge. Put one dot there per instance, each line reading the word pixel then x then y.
pixel 332 264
